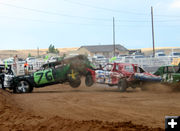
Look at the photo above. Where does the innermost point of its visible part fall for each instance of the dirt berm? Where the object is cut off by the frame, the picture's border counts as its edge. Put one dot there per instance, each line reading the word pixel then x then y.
pixel 14 117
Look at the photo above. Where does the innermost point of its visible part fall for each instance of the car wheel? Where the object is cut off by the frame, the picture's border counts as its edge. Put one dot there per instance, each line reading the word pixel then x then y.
pixel 75 83
pixel 74 79
pixel 89 80
pixel 23 87
pixel 122 85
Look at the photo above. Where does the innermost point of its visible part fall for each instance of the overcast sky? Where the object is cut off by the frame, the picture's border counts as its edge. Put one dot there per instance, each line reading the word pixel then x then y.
pixel 28 24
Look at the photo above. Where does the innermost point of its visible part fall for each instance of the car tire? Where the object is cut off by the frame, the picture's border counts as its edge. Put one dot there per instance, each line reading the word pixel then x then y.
pixel 75 83
pixel 74 79
pixel 122 85
pixel 23 86
pixel 89 80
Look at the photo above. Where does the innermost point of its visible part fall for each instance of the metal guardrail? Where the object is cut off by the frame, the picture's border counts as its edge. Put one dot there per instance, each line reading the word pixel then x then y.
pixel 32 67
pixel 149 64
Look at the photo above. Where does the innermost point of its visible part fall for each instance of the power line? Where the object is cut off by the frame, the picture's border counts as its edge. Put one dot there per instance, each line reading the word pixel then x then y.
pixel 172 16
pixel 103 8
pixel 115 10
pixel 84 24
pixel 148 21
pixel 53 22
pixel 83 17
pixel 53 13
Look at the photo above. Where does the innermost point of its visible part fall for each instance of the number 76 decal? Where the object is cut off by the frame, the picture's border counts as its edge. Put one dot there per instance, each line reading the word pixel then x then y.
pixel 47 76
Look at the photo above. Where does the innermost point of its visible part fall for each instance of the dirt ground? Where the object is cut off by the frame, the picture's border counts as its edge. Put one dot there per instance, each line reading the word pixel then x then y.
pixel 60 107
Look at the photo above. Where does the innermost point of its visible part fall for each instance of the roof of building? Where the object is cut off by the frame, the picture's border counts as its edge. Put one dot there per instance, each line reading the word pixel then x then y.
pixel 104 48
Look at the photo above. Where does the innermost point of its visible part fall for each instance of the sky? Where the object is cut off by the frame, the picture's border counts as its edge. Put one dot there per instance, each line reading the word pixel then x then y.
pixel 28 24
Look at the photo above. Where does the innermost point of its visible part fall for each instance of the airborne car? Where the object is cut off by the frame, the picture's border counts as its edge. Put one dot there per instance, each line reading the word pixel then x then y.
pixel 50 73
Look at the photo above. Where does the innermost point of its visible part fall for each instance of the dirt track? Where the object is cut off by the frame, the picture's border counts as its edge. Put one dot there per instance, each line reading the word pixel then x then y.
pixel 97 108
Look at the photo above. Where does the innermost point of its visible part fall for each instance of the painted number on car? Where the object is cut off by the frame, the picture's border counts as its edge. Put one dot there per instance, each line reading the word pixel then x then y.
pixel 43 77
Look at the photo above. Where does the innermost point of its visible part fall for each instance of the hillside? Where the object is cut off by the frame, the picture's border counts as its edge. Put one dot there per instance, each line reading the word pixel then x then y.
pixel 24 53
pixel 33 52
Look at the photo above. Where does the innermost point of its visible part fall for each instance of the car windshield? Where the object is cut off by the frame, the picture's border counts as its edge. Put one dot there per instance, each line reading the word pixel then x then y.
pixel 173 69
pixel 108 67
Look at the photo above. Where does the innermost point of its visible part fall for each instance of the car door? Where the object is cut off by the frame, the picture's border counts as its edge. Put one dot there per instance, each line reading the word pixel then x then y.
pixel 168 74
pixel 43 77
pixel 173 74
pixel 128 70
pixel 60 72
pixel 115 74
pixel 176 75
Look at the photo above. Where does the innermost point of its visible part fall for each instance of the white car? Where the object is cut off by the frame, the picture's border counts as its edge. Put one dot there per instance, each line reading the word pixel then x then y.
pixel 160 54
pixel 175 54
pixel 30 59
pixel 9 60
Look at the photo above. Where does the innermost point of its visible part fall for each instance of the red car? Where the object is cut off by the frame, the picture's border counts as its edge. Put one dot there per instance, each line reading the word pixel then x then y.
pixel 123 75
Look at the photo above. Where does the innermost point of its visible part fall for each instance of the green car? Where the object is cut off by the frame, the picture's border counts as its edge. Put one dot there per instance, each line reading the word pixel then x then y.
pixel 169 74
pixel 50 73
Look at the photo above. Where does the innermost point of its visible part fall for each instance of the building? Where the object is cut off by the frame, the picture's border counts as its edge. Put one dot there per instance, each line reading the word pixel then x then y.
pixel 105 50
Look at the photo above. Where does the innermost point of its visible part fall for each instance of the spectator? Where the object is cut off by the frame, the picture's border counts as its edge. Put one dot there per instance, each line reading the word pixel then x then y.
pixel 26 68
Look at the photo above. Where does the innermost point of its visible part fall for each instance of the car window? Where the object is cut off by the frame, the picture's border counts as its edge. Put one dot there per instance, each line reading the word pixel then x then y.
pixel 165 70
pixel 141 70
pixel 129 68
pixel 117 67
pixel 59 66
pixel 177 69
pixel 108 67
pixel 173 69
pixel 44 67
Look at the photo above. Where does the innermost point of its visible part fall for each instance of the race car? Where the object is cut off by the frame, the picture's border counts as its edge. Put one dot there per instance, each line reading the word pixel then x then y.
pixel 122 75
pixel 50 73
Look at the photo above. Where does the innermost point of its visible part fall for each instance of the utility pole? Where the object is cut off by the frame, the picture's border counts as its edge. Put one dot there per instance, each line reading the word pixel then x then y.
pixel 114 35
pixel 152 31
pixel 38 51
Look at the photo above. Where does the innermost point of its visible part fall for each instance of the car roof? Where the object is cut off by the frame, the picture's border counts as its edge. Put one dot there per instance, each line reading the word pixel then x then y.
pixel 52 63
pixel 170 66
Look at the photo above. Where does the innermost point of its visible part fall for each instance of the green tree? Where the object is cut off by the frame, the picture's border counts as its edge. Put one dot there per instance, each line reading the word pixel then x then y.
pixel 52 49
pixel 29 55
pixel 64 55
